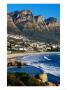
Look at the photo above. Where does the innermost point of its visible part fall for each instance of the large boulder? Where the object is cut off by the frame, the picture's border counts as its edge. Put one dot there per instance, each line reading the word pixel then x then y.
pixel 42 77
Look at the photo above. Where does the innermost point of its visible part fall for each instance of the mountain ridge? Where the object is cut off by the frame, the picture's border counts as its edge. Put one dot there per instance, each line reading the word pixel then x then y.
pixel 33 27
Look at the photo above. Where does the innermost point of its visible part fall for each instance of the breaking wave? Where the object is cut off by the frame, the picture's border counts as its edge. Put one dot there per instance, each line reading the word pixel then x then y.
pixel 49 63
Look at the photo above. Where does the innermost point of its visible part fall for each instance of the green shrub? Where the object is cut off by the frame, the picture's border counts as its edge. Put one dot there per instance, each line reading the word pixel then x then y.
pixel 22 79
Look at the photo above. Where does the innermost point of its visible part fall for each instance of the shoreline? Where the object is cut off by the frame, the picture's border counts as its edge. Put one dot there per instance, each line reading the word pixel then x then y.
pixel 51 78
pixel 9 56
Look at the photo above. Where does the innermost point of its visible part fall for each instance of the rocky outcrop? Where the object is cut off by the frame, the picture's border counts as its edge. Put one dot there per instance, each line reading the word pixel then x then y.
pixel 39 19
pixel 50 20
pixel 42 77
pixel 14 62
pixel 11 27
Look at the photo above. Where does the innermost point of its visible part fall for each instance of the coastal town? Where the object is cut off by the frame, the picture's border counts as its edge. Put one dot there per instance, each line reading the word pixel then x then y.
pixel 18 43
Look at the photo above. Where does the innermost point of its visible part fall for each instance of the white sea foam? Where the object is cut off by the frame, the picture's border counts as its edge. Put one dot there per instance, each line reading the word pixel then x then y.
pixel 46 58
pixel 48 69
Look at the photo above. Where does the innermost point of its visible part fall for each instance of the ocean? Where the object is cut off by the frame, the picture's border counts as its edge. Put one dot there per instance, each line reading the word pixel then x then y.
pixel 49 63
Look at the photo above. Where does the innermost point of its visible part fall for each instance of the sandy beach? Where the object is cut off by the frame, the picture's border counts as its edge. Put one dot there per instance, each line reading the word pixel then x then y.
pixel 22 54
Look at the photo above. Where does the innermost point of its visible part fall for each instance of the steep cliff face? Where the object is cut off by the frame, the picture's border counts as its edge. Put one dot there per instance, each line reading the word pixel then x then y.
pixel 25 23
pixel 52 23
pixel 11 27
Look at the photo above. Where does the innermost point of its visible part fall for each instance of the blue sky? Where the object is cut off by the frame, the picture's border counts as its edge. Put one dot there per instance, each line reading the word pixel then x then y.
pixel 47 10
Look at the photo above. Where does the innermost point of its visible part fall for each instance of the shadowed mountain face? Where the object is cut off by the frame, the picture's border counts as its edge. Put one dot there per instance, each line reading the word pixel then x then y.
pixel 33 27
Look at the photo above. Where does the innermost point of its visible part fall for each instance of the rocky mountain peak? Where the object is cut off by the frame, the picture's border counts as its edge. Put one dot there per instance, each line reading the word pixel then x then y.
pixel 39 19
pixel 24 22
pixel 51 20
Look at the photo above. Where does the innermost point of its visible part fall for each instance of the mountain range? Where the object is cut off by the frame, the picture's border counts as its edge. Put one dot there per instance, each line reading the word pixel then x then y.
pixel 33 27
